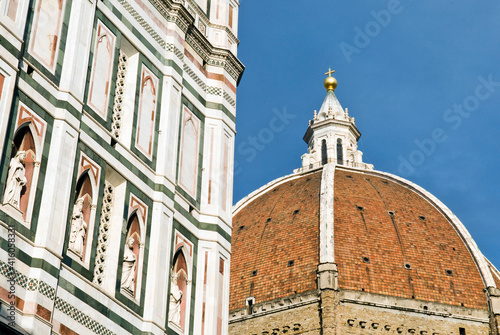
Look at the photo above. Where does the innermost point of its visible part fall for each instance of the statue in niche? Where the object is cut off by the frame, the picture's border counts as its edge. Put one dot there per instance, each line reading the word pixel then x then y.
pixel 16 179
pixel 128 270
pixel 78 229
pixel 174 314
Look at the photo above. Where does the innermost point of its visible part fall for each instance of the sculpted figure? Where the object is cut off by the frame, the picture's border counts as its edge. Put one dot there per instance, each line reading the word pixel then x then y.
pixel 128 270
pixel 16 179
pixel 78 228
pixel 174 315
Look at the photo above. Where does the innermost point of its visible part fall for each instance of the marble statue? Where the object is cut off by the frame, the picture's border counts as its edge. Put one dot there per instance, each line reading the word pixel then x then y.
pixel 78 229
pixel 16 179
pixel 174 314
pixel 128 270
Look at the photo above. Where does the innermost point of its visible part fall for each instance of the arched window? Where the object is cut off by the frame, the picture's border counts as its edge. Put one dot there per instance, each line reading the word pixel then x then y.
pixel 340 153
pixel 178 291
pixel 324 154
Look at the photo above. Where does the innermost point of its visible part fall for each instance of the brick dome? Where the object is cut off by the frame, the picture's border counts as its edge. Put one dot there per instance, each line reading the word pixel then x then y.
pixel 390 237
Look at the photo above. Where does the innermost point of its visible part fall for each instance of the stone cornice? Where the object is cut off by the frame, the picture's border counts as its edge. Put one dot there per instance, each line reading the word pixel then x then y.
pixel 232 36
pixel 174 11
pixel 274 306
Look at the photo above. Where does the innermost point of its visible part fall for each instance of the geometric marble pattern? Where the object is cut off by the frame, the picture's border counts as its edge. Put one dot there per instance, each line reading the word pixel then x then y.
pixel 32 284
pixel 195 77
pixel 81 318
pixel 151 31
pixel 214 90
pixel 229 99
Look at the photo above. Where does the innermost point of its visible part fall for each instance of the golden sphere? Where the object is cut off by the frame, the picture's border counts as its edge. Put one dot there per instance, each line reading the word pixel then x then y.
pixel 330 83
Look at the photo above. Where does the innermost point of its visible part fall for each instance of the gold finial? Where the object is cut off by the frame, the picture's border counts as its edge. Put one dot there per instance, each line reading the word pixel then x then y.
pixel 330 82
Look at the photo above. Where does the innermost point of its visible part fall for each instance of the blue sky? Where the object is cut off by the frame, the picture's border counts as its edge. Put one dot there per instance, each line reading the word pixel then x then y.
pixel 407 70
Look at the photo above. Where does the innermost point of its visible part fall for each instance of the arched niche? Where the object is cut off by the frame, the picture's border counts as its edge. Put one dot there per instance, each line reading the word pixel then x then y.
pixel 24 167
pixel 179 282
pixel 133 253
pixel 83 216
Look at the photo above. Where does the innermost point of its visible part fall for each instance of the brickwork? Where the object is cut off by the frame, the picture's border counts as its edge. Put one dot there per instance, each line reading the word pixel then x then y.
pixel 380 226
pixel 274 229
pixel 402 266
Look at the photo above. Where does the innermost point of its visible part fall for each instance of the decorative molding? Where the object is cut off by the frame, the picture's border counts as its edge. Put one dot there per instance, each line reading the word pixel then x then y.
pixel 444 314
pixel 103 238
pixel 166 46
pixel 178 14
pixel 142 209
pixel 87 164
pixel 116 123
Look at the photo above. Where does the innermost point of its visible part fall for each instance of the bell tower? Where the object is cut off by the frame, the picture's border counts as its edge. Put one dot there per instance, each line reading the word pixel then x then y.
pixel 332 135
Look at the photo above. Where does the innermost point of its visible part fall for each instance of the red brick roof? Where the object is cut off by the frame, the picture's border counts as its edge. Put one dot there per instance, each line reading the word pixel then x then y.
pixel 267 246
pixel 417 234
pixel 372 246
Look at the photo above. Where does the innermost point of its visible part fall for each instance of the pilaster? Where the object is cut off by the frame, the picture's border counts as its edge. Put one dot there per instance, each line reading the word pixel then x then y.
pixel 329 310
pixel 326 246
pixel 494 302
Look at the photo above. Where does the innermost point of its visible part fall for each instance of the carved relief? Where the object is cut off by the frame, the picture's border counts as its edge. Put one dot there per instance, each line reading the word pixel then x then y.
pixel 119 94
pixel 103 239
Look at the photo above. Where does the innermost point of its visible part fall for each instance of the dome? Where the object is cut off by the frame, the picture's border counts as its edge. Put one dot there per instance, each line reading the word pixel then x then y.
pixel 340 248
pixel 390 238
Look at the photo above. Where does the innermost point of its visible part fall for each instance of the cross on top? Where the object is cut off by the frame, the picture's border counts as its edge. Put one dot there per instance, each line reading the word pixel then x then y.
pixel 330 71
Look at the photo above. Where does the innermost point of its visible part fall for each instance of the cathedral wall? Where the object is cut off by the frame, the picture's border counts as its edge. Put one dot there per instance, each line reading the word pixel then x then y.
pixel 292 320
pixel 356 319
pixel 362 313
